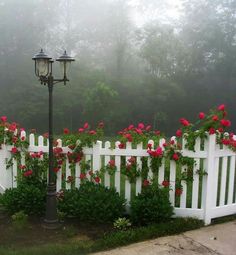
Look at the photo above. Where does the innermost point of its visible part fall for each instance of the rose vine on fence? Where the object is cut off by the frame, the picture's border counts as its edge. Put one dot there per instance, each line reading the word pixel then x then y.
pixel 215 122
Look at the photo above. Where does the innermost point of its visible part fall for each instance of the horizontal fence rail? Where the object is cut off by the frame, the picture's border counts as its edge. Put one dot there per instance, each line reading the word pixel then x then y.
pixel 208 196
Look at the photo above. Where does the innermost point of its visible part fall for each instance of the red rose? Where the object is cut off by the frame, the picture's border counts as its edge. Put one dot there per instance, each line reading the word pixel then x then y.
pixel 225 123
pixel 86 125
pixel 184 122
pixel 221 107
pixel 130 127
pixel 128 137
pixel 141 126
pixel 28 173
pixel 101 125
pixel 201 115
pixel 4 118
pixel 146 183
pixel 149 146
pixel 92 132
pixel 166 183
pixel 175 157
pixel 178 192
pixel 215 118
pixel 212 131
pixel 178 133
pixel 81 130
pixel 56 169
pixel 82 176
pixel 157 132
pixel 66 131
pixel 97 179
pixel 148 127
pixel 22 138
pixel 112 163
pixel 14 150
pixel 121 146
pixel 221 130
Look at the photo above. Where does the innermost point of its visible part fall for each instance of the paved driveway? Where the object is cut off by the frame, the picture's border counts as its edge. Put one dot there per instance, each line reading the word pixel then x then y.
pixel 217 239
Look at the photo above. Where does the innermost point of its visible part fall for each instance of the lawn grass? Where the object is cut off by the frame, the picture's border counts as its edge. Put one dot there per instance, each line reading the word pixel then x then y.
pixel 109 240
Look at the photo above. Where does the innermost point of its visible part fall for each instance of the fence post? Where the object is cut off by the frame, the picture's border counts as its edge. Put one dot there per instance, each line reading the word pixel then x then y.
pixel 208 183
pixel 5 174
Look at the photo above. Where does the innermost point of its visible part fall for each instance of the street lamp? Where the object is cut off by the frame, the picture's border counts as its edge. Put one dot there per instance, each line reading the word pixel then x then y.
pixel 43 70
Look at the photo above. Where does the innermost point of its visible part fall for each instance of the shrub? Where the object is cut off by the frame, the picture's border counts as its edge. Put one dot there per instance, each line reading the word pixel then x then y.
pixel 92 203
pixel 28 198
pixel 19 220
pixel 151 206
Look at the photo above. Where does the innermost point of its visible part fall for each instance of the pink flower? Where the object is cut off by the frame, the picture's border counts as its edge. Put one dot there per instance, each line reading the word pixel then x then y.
pixel 86 125
pixel 148 127
pixel 28 173
pixel 4 118
pixel 201 115
pixel 112 163
pixel 138 131
pixel 184 122
pixel 13 127
pixel 92 132
pixel 225 123
pixel 66 131
pixel 175 157
pixel 141 126
pixel 221 107
pixel 157 132
pixel 81 130
pixel 128 137
pixel 130 127
pixel 178 133
pixel 14 150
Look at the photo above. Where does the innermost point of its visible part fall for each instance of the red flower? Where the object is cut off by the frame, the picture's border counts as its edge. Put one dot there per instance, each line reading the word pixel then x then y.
pixel 141 126
pixel 138 131
pixel 80 130
pixel 97 179
pixel 157 132
pixel 225 123
pixel 201 115
pixel 221 107
pixel 90 172
pixel 121 146
pixel 149 146
pixel 175 157
pixel 166 183
pixel 212 131
pixel 148 127
pixel 221 130
pixel 184 122
pixel 178 191
pixel 130 127
pixel 215 118
pixel 28 173
pixel 146 183
pixel 86 125
pixel 14 150
pixel 22 138
pixel 14 139
pixel 112 163
pixel 4 118
pixel 66 131
pixel 172 142
pixel 82 176
pixel 101 125
pixel 225 141
pixel 13 127
pixel 56 169
pixel 128 137
pixel 22 167
pixel 46 135
pixel 92 132
pixel 178 133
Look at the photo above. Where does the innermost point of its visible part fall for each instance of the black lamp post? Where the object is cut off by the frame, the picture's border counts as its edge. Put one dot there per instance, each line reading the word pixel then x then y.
pixel 43 70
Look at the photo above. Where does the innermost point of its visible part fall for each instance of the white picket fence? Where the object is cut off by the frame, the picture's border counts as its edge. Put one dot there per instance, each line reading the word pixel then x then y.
pixel 209 196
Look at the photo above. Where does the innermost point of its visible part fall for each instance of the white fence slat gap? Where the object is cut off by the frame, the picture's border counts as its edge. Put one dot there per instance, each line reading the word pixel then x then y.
pixel 223 181
pixel 106 162
pixel 231 180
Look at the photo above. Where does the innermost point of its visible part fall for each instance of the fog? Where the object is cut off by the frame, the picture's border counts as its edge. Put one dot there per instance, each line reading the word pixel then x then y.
pixel 147 61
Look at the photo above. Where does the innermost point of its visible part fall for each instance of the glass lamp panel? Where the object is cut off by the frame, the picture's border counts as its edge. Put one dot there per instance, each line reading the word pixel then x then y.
pixel 42 67
pixel 65 67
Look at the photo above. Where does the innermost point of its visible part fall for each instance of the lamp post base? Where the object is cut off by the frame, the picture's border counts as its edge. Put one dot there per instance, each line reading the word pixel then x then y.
pixel 55 224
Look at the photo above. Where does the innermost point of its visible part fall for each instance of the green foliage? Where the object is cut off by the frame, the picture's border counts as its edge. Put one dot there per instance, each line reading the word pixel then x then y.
pixel 92 203
pixel 151 206
pixel 19 220
pixel 29 198
pixel 122 224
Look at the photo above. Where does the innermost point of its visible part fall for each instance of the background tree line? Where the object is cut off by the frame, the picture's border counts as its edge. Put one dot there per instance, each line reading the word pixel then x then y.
pixel 154 72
